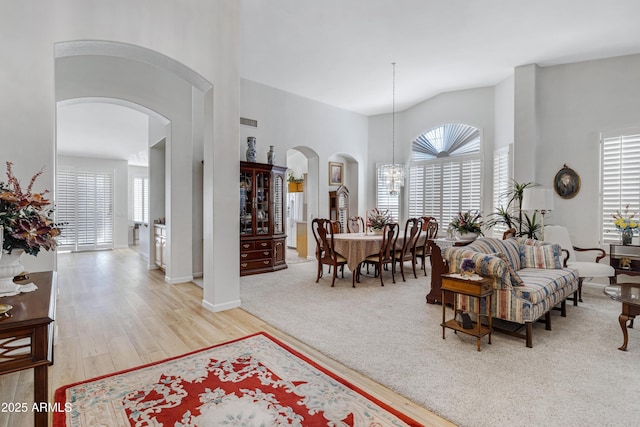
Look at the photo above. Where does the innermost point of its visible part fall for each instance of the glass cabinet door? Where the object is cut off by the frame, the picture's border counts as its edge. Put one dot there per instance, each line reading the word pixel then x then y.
pixel 246 203
pixel 262 202
pixel 278 193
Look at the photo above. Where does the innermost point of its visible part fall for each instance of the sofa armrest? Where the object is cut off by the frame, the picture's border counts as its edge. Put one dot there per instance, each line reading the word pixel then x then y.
pixel 487 265
pixel 601 251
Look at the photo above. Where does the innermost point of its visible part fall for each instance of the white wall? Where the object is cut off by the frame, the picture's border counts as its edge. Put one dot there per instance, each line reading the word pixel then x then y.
pixel 119 168
pixel 474 107
pixel 209 45
pixel 318 130
pixel 576 103
pixel 504 112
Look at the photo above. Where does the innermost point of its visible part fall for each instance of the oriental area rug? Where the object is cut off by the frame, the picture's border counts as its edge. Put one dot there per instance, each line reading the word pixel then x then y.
pixel 252 381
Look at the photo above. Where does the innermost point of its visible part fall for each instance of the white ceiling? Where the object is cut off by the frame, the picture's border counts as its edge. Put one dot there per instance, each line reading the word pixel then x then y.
pixel 340 52
pixel 103 130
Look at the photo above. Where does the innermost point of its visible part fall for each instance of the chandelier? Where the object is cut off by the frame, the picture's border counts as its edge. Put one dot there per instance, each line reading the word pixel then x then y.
pixel 393 174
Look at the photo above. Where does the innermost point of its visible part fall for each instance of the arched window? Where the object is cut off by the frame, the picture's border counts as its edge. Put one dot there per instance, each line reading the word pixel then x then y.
pixel 445 172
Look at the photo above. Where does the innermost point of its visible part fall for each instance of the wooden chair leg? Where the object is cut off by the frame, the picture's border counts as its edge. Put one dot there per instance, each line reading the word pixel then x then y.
pixel 379 267
pixel 529 340
pixel 579 290
pixel 319 271
pixel 335 273
pixel 402 269
pixel 414 261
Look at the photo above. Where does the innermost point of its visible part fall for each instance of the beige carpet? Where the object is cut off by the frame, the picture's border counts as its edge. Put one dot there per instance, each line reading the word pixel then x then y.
pixel 573 376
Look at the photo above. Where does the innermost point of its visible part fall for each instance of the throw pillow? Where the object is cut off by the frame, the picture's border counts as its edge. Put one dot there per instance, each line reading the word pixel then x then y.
pixel 515 278
pixel 540 256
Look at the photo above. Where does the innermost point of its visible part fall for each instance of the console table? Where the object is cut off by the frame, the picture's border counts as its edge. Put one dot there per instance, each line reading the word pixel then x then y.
pixel 625 259
pixel 26 337
pixel 438 268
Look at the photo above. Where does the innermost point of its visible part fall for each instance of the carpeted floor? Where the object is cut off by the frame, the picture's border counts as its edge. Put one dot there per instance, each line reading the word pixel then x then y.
pixel 573 376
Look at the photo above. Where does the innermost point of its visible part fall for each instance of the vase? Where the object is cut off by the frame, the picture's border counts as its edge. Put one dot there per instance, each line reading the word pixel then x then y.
pixel 627 235
pixel 251 149
pixel 271 156
pixel 466 236
pixel 9 268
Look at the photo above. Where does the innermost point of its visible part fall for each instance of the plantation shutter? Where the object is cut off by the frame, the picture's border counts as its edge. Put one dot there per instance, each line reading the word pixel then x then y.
pixel 620 158
pixel 85 205
pixel 501 176
pixel 141 199
pixel 442 188
pixel 384 200
pixel 66 209
pixel 416 190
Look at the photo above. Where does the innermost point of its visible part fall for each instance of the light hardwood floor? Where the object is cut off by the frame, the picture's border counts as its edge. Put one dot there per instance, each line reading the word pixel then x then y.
pixel 114 314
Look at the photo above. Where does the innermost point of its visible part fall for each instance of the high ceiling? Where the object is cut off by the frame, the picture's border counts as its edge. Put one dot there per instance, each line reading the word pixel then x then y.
pixel 340 51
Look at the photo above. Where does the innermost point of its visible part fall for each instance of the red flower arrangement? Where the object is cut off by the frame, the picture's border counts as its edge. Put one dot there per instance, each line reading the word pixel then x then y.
pixel 26 217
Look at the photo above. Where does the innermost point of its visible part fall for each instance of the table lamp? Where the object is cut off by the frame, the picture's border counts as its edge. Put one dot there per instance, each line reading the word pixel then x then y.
pixel 537 199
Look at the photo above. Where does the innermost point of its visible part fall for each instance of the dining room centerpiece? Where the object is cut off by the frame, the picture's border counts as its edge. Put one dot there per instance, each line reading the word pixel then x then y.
pixel 27 225
pixel 467 225
pixel 377 219
pixel 625 224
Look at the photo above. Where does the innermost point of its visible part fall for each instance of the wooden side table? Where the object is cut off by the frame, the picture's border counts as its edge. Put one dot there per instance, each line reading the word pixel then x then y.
pixel 31 321
pixel 480 289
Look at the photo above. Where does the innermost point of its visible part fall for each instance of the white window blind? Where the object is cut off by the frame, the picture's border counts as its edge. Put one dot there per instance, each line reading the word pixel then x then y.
pixel 443 187
pixel 85 205
pixel 620 181
pixel 384 200
pixel 141 199
pixel 501 177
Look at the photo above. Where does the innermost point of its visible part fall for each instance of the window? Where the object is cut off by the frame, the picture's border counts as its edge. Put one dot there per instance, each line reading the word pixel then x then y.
pixel 141 199
pixel 384 200
pixel 445 173
pixel 85 205
pixel 620 181
pixel 501 180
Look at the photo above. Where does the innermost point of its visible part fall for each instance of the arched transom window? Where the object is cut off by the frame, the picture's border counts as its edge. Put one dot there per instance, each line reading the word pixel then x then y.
pixel 445 172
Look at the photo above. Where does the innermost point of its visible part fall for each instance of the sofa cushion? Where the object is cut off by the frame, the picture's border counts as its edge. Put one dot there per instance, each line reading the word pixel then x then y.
pixel 491 245
pixel 515 279
pixel 540 283
pixel 540 256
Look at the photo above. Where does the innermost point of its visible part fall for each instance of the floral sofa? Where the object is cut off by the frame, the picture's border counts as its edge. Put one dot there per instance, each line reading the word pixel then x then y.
pixel 528 279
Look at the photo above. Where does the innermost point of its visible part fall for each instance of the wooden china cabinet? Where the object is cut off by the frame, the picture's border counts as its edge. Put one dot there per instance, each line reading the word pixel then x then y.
pixel 262 218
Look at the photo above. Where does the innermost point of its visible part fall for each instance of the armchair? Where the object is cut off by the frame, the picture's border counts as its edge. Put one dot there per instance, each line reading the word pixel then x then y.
pixel 586 269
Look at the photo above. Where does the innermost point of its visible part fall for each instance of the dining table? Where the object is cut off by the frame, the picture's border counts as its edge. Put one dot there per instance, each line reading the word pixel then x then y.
pixel 356 247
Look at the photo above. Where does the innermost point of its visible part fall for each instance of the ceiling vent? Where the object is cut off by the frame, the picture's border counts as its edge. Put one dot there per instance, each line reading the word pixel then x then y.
pixel 248 122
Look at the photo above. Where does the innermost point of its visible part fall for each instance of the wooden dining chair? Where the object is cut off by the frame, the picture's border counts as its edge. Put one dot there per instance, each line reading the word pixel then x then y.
pixel 412 230
pixel 423 251
pixel 510 233
pixel 355 224
pixel 385 256
pixel 336 226
pixel 325 252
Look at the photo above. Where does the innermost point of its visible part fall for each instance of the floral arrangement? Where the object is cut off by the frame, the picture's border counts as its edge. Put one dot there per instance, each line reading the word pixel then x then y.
pixel 377 219
pixel 26 217
pixel 467 222
pixel 624 220
pixel 468 265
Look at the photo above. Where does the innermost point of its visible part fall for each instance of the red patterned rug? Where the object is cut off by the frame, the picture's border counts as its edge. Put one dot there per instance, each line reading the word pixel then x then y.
pixel 252 381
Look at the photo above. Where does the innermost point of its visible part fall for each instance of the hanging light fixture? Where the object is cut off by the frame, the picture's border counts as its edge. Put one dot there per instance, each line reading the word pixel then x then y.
pixel 393 174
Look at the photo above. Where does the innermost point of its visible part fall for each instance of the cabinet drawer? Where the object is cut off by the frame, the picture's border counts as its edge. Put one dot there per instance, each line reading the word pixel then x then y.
pixel 253 255
pixel 250 265
pixel 255 245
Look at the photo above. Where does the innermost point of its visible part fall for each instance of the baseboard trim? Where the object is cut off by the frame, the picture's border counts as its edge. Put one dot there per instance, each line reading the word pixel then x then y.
pixel 220 307
pixel 176 280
